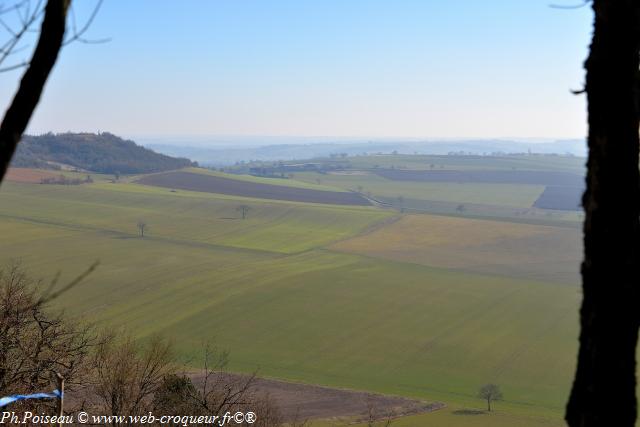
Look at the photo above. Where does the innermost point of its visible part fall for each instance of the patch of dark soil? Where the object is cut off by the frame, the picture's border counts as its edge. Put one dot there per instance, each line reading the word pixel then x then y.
pixel 560 198
pixel 468 412
pixel 485 176
pixel 303 401
pixel 215 184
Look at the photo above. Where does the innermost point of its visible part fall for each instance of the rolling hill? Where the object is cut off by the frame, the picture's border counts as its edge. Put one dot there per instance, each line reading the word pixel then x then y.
pixel 223 185
pixel 102 153
pixel 402 298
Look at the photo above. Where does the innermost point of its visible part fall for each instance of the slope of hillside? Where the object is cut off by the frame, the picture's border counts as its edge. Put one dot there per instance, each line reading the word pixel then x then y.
pixel 269 290
pixel 222 185
pixel 103 152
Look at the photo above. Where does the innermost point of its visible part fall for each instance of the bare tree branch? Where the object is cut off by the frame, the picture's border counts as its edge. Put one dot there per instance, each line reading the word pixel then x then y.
pixel 49 295
pixel 77 35
pixel 50 42
pixel 28 95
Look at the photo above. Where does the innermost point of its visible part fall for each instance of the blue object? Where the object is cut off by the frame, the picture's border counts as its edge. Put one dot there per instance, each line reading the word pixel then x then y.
pixel 10 399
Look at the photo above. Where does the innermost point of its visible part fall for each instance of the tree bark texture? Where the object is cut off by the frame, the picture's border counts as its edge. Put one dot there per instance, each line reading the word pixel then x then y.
pixel 604 388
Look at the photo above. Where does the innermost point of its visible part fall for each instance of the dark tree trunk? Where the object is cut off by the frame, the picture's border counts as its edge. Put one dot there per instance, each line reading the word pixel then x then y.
pixel 26 98
pixel 604 389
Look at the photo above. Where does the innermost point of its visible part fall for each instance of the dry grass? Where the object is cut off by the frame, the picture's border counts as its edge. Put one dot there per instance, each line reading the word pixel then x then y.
pixel 27 175
pixel 523 250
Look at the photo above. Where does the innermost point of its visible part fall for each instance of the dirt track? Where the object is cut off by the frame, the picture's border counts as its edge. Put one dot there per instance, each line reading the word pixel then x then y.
pixel 214 184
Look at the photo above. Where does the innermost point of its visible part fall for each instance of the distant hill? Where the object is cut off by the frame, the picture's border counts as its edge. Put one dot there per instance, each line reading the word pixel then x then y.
pixel 228 151
pixel 102 153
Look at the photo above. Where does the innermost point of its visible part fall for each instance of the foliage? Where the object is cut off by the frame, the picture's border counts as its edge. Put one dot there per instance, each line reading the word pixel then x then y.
pixel 103 153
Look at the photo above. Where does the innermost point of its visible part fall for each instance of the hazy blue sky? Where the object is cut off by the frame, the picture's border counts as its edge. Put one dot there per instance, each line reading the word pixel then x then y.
pixel 412 68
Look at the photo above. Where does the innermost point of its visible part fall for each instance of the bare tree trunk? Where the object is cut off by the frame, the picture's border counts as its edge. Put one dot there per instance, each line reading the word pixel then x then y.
pixel 60 409
pixel 604 389
pixel 27 97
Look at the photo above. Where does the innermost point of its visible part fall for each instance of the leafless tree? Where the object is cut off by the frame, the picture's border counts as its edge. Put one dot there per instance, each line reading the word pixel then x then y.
pixel 127 373
pixel 490 393
pixel 221 392
pixel 375 417
pixel 142 226
pixel 34 343
pixel 298 421
pixel 52 17
pixel 215 392
pixel 244 210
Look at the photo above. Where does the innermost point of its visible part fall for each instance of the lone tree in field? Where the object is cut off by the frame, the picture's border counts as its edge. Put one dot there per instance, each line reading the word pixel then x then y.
pixel 142 226
pixel 490 392
pixel 604 388
pixel 244 210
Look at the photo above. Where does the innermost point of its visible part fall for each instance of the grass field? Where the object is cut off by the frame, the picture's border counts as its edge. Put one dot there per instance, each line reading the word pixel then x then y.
pixel 513 195
pixel 493 247
pixel 506 202
pixel 424 162
pixel 286 182
pixel 184 180
pixel 455 417
pixel 191 218
pixel 326 318
pixel 268 289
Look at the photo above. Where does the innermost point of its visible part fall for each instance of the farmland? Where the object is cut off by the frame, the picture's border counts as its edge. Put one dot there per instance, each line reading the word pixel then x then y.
pixel 500 248
pixel 33 176
pixel 360 297
pixel 468 162
pixel 511 195
pixel 531 189
pixel 216 184
pixel 484 176
pixel 558 197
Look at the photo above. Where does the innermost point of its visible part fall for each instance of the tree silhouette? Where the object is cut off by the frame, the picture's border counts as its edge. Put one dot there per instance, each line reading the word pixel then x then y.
pixel 604 388
pixel 28 95
pixel 51 39
pixel 490 393
pixel 142 226
pixel 244 210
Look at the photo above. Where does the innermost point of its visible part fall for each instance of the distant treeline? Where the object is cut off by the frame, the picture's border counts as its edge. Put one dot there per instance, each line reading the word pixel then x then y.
pixel 63 180
pixel 103 153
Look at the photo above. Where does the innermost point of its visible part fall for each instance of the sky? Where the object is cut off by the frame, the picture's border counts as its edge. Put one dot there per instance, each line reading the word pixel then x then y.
pixel 343 68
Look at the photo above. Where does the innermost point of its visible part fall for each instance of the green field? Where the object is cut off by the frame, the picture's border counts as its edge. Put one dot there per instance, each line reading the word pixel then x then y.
pixel 455 162
pixel 188 217
pixel 512 195
pixel 286 182
pixel 456 416
pixel 527 251
pixel 273 291
pixel 509 202
pixel 374 161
